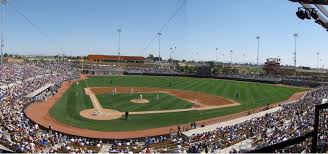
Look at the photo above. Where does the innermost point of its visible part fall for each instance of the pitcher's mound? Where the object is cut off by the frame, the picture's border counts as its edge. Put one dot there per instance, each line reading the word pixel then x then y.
pixel 105 114
pixel 140 101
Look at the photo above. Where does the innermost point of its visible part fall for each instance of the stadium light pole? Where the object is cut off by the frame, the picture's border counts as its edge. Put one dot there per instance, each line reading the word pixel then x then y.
pixel 231 57
pixel 223 59
pixel 295 37
pixel 119 30
pixel 258 50
pixel 159 47
pixel 171 54
pixel 317 60
pixel 58 57
pixel 3 3
pixel 216 54
pixel 174 51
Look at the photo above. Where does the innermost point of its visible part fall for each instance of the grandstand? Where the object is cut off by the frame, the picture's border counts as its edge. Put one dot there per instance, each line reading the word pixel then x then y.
pixel 63 103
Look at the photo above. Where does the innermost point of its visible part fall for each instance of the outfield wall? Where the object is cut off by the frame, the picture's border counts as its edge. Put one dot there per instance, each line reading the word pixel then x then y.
pixel 300 83
pixel 196 76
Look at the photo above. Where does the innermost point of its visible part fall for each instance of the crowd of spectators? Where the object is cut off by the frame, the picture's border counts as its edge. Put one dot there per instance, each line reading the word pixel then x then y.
pixel 155 70
pixel 19 134
pixel 103 68
pixel 293 120
pixel 255 77
pixel 17 72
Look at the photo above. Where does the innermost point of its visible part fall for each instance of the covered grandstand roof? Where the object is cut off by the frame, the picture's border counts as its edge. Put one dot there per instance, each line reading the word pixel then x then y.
pixel 3 149
pixel 40 90
pixel 323 2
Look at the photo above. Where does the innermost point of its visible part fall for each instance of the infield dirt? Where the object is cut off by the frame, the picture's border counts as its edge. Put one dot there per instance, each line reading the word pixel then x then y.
pixel 201 101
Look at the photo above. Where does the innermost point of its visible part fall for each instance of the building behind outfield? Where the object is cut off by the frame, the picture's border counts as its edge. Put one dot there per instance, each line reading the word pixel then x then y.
pixel 115 59
pixel 112 64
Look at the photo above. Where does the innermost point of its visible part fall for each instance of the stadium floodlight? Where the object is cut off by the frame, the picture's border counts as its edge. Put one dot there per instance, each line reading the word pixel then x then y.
pixel 119 30
pixel 295 37
pixel 317 60
pixel 216 54
pixel 300 14
pixel 223 59
pixel 258 50
pixel 231 57
pixel 314 14
pixel 318 14
pixel 175 51
pixel 171 54
pixel 307 14
pixel 303 13
pixel 159 46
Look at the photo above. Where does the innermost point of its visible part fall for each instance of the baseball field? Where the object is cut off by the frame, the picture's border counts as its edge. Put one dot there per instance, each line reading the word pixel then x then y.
pixel 244 95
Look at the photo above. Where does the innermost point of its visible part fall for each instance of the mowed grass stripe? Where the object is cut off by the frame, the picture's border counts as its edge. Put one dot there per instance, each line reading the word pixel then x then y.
pixel 187 84
pixel 228 90
pixel 267 93
pixel 222 85
pixel 245 95
pixel 251 95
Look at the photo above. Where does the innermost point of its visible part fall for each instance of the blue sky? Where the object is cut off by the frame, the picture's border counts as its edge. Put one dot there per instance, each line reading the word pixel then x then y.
pixel 84 27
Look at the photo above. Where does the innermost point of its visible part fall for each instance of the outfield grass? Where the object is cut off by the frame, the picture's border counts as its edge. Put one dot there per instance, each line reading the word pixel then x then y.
pixel 121 102
pixel 251 95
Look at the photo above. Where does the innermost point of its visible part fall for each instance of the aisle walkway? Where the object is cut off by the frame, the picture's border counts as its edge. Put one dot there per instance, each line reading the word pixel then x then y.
pixel 228 123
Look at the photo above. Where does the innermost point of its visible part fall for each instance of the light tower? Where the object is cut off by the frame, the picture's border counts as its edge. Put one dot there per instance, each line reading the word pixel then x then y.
pixel 295 36
pixel 258 50
pixel 58 57
pixel 216 54
pixel 317 60
pixel 171 54
pixel 174 51
pixel 119 30
pixel 223 60
pixel 3 3
pixel 231 57
pixel 159 47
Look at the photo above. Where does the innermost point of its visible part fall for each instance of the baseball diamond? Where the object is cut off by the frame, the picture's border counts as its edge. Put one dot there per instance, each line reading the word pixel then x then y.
pixel 164 76
pixel 251 95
